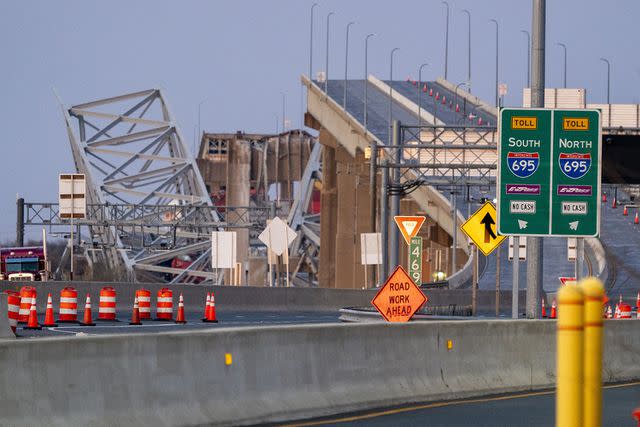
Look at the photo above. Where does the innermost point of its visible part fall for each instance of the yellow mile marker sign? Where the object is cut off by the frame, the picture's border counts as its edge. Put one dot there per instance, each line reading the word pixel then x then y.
pixel 481 229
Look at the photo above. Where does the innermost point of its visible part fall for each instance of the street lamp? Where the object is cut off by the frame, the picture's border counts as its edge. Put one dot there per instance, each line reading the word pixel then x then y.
pixel 496 22
pixel 420 93
pixel 284 98
pixel 346 63
pixel 564 47
pixel 366 77
pixel 606 61
pixel 391 91
pixel 446 42
pixel 456 92
pixel 469 49
pixel 326 69
pixel 200 115
pixel 311 43
pixel 528 57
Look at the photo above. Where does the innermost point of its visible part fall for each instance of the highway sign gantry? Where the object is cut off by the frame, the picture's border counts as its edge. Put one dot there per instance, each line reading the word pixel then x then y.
pixel 481 229
pixel 549 172
pixel 409 226
pixel 399 298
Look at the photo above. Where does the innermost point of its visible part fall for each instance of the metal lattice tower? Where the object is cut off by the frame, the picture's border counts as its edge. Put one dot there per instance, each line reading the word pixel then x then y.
pixel 133 154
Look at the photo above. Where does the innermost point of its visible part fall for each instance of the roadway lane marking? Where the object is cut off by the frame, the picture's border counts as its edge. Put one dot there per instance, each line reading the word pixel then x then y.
pixel 437 405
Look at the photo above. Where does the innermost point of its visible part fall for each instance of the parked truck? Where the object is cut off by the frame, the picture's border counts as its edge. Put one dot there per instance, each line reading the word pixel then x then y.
pixel 24 264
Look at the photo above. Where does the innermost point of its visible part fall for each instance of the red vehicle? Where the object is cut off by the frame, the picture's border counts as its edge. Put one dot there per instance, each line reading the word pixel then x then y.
pixel 26 264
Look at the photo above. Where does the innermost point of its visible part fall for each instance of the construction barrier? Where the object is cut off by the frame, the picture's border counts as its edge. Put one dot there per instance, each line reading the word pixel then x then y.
pixel 164 307
pixel 27 293
pixel 68 311
pixel 144 303
pixel 624 310
pixel 107 305
pixel 13 308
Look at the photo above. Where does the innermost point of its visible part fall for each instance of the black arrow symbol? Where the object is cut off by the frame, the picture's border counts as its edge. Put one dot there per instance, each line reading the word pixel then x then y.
pixel 488 232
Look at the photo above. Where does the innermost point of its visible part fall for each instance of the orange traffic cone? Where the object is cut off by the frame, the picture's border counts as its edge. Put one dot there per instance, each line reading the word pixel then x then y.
pixel 48 316
pixel 636 220
pixel 207 307
pixel 135 316
pixel 554 313
pixel 638 301
pixel 616 313
pixel 457 108
pixel 604 198
pixel 609 313
pixel 424 88
pixel 212 310
pixel 180 318
pixel 430 92
pixel 544 310
pixel 625 211
pixel 87 320
pixel 614 205
pixel 32 323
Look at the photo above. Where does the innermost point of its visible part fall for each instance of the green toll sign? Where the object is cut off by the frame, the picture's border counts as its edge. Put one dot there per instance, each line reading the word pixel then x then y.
pixel 549 172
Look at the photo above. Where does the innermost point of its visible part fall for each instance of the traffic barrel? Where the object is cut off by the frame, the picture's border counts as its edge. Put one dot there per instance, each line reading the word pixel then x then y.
pixel 135 315
pixel 26 294
pixel 207 307
pixel 180 318
pixel 68 312
pixel 107 304
pixel 144 303
pixel 48 314
pixel 87 318
pixel 32 323
pixel 164 307
pixel 625 311
pixel 13 308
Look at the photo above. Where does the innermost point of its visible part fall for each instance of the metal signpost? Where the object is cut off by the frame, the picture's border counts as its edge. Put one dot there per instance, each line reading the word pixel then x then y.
pixel 549 175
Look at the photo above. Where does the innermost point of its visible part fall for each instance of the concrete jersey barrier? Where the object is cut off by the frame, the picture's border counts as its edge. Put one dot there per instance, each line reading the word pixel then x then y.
pixel 281 373
pixel 5 329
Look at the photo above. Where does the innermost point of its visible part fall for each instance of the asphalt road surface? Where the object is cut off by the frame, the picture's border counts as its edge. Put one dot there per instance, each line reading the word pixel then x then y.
pixel 524 409
pixel 225 319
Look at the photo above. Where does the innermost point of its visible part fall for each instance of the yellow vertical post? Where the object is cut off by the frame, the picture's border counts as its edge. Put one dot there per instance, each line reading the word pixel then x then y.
pixel 569 359
pixel 593 291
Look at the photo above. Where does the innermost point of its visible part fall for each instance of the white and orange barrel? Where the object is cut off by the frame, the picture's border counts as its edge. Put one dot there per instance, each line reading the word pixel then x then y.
pixel 164 309
pixel 13 303
pixel 144 303
pixel 107 306
pixel 68 305
pixel 27 293
pixel 625 311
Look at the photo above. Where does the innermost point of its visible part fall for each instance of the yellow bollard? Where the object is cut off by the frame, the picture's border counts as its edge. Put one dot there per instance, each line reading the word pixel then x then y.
pixel 569 360
pixel 593 291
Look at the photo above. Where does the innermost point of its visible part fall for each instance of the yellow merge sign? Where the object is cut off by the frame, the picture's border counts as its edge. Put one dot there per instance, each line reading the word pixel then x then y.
pixel 481 229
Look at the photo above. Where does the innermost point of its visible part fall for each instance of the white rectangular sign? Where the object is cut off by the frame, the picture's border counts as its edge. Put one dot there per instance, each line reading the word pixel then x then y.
pixel 523 248
pixel 370 248
pixel 223 249
pixel 72 199
pixel 571 248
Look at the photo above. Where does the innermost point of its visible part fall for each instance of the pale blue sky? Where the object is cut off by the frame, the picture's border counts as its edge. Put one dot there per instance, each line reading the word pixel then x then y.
pixel 240 55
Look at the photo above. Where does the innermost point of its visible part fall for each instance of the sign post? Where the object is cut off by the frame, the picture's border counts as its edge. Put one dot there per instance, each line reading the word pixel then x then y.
pixel 415 260
pixel 72 203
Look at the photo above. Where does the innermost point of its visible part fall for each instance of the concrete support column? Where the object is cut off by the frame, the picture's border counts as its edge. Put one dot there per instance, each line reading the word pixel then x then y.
pixel 238 192
pixel 328 211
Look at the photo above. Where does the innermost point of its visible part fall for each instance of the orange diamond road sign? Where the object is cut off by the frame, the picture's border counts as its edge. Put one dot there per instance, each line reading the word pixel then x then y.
pixel 409 226
pixel 399 298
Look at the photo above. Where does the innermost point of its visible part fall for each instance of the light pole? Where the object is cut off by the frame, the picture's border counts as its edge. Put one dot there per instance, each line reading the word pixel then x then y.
pixel 200 115
pixel 277 121
pixel 313 6
pixel 496 22
pixel 528 57
pixel 391 90
pixel 456 92
pixel 469 49
pixel 346 64
pixel 446 42
pixel 284 99
pixel 366 77
pixel 326 69
pixel 420 93
pixel 564 47
pixel 606 61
